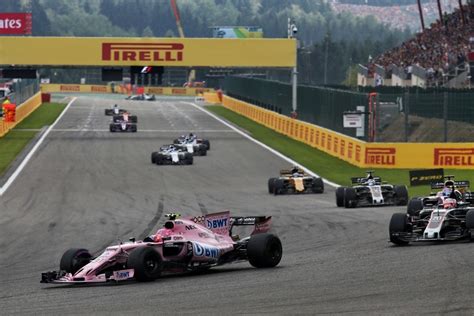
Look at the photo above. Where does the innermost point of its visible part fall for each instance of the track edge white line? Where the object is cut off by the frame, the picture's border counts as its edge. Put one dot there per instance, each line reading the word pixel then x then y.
pixel 22 165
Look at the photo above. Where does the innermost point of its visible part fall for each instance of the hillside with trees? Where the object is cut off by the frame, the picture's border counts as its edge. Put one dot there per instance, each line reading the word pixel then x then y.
pixel 344 38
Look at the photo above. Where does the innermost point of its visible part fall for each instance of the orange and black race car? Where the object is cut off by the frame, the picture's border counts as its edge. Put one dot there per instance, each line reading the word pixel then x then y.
pixel 295 180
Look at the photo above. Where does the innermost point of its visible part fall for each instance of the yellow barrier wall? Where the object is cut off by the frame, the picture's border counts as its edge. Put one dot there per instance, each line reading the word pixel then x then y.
pixel 211 97
pixel 84 88
pixel 22 111
pixel 359 153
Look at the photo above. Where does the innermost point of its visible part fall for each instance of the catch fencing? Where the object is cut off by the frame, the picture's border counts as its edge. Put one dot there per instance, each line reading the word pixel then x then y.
pixel 401 114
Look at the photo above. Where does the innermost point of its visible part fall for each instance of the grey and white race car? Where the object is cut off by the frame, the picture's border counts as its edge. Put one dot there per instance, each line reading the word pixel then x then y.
pixel 448 220
pixel 171 155
pixel 115 110
pixel 191 138
pixel 458 190
pixel 295 180
pixel 371 191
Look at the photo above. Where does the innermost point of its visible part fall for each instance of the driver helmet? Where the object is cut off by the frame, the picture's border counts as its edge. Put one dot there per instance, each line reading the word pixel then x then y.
pixel 115 105
pixel 448 187
pixel 449 203
pixel 370 181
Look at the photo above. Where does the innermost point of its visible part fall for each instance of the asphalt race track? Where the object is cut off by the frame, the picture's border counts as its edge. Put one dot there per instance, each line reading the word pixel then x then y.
pixel 87 187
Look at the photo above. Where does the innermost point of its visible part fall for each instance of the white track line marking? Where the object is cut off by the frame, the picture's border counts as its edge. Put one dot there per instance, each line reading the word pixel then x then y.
pixel 146 130
pixel 261 144
pixel 32 152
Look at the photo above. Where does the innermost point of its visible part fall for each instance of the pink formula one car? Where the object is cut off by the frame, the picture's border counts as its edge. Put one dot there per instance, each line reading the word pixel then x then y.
pixel 182 245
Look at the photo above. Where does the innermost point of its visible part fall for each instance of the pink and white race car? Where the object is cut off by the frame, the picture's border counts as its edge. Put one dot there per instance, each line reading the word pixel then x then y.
pixel 182 245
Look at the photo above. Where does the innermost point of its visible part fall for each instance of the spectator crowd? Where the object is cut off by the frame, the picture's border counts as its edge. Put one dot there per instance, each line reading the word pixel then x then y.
pixel 439 49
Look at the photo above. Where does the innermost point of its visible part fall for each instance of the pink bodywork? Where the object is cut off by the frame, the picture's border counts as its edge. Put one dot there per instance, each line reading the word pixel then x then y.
pixel 207 236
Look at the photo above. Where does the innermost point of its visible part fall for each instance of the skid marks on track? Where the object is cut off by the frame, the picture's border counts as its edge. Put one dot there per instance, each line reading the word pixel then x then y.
pixel 156 218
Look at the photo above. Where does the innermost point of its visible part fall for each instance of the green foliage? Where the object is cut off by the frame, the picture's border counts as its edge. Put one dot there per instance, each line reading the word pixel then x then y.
pixel 341 39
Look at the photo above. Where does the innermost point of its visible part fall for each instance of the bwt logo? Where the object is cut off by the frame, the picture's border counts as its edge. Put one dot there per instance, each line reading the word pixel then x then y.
pixel 205 251
pixel 380 156
pixel 142 51
pixel 217 223
pixel 453 156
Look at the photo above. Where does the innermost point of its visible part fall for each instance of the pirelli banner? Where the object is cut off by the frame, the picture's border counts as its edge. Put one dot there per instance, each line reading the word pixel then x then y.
pixel 359 153
pixel 116 51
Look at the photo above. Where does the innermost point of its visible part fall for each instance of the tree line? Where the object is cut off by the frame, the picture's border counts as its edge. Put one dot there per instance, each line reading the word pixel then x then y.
pixel 341 39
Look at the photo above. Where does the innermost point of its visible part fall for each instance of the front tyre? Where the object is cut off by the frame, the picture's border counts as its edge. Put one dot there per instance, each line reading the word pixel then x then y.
pixel 146 263
pixel 264 250
pixel 340 196
pixel 271 185
pixel 350 198
pixel 398 224
pixel 74 259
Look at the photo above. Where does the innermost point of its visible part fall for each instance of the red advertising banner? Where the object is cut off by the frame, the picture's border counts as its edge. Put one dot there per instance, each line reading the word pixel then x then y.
pixel 15 23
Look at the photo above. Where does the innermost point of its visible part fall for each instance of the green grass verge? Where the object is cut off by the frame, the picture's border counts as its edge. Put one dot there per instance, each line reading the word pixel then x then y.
pixel 14 142
pixel 327 166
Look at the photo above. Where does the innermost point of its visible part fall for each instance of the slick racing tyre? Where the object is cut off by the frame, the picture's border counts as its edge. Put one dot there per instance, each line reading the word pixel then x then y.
pixel 264 250
pixel 188 158
pixel 401 194
pixel 133 128
pixel 74 259
pixel 398 224
pixel 414 206
pixel 271 185
pixel 112 128
pixel 202 151
pixel 146 262
pixel 470 220
pixel 350 198
pixel 159 159
pixel 278 186
pixel 153 157
pixel 340 196
pixel 317 185
pixel 133 119
pixel 207 143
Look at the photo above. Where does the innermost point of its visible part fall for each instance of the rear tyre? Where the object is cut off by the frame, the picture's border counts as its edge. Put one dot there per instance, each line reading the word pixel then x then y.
pixel 401 194
pixel 133 119
pixel 271 185
pixel 340 196
pixel 350 198
pixel 134 128
pixel 264 250
pixel 146 263
pixel 414 206
pixel 318 185
pixel 398 224
pixel 112 128
pixel 74 259
pixel 207 143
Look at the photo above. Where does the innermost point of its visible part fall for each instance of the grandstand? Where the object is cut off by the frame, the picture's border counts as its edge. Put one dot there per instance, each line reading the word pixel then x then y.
pixel 437 56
